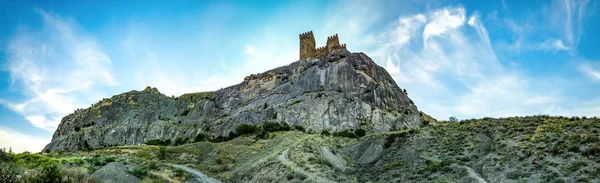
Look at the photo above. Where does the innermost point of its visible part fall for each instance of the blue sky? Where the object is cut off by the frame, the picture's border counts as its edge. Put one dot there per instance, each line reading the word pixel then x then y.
pixel 468 59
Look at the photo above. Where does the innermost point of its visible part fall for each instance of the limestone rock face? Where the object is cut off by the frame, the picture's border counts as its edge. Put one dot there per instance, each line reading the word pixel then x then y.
pixel 343 91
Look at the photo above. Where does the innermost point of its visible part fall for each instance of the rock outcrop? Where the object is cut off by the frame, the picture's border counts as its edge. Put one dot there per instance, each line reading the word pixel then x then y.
pixel 343 91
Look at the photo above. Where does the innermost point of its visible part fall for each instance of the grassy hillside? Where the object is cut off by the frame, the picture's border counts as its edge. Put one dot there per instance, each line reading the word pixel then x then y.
pixel 516 149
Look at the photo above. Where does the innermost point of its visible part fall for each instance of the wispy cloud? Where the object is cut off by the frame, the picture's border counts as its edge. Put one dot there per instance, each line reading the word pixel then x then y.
pixel 553 45
pixel 568 19
pixel 590 71
pixel 443 21
pixel 455 68
pixel 55 69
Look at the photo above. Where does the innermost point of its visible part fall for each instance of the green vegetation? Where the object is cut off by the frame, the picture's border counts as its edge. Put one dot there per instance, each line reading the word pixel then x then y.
pixel 453 119
pixel 179 141
pixel 299 128
pixel 325 132
pixel 139 172
pixel 8 172
pixel 246 129
pixel 158 142
pixel 275 127
pixel 200 137
pixel 516 149
pixel 51 172
pixel 351 133
pixel 162 151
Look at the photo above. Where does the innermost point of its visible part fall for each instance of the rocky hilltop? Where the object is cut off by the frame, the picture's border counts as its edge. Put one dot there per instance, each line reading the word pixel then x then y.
pixel 339 92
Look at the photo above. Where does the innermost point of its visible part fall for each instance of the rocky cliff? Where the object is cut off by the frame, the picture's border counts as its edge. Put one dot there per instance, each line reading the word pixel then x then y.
pixel 343 91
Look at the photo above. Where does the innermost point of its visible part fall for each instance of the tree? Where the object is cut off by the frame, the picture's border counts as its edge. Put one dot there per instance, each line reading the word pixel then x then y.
pixel 453 119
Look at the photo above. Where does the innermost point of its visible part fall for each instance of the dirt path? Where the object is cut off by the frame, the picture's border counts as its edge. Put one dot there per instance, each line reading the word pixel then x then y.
pixel 199 177
pixel 284 160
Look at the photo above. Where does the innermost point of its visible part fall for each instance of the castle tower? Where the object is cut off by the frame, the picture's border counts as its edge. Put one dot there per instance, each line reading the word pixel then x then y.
pixel 333 42
pixel 307 45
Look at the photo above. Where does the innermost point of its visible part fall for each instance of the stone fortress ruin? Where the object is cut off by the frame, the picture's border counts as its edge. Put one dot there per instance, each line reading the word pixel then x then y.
pixel 308 46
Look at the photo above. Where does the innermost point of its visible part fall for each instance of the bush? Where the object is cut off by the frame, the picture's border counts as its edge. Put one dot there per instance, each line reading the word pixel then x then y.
pixel 8 172
pixel 110 159
pixel 139 172
pixel 274 127
pixel 453 119
pixel 153 166
pixel 360 132
pixel 345 133
pixel 51 172
pixel 200 137
pixel 162 151
pixel 591 150
pixel 179 141
pixel 181 173
pixel 325 132
pixel 300 128
pixel 246 129
pixel 31 160
pixel 76 174
pixel 158 142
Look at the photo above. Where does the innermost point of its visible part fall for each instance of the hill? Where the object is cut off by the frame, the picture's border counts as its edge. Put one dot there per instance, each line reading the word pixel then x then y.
pixel 516 149
pixel 340 92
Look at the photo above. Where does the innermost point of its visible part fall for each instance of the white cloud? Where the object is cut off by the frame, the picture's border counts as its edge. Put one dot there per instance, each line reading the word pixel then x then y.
pixel 457 73
pixel 553 45
pixel 20 142
pixel 589 71
pixel 443 21
pixel 567 17
pixel 55 68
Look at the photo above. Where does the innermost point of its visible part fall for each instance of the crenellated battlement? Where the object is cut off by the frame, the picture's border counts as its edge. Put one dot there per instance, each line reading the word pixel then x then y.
pixel 308 46
pixel 306 33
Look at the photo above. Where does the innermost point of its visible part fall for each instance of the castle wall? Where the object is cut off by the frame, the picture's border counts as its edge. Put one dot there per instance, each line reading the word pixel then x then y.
pixel 308 46
pixel 321 52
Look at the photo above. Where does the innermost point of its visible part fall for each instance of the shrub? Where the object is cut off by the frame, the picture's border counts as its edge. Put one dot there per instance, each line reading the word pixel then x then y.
pixel 179 141
pixel 158 142
pixel 300 128
pixel 360 132
pixel 181 173
pixel 433 166
pixel 345 133
pixel 591 150
pixel 76 174
pixel 391 138
pixel 139 172
pixel 325 132
pixel 200 137
pixel 51 172
pixel 8 172
pixel 110 159
pixel 185 112
pixel 162 151
pixel 453 119
pixel 246 129
pixel 30 160
pixel 96 162
pixel 153 166
pixel 274 127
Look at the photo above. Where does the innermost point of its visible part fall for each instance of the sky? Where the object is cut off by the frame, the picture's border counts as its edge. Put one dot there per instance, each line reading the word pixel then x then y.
pixel 468 59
